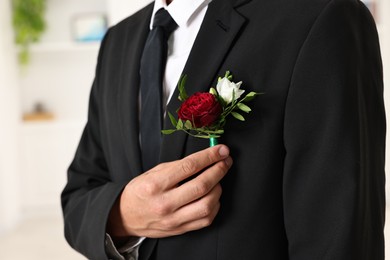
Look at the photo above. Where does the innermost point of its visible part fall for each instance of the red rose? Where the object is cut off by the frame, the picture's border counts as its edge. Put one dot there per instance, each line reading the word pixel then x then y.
pixel 201 108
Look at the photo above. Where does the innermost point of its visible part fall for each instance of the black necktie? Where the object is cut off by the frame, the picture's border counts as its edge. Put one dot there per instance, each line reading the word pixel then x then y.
pixel 152 69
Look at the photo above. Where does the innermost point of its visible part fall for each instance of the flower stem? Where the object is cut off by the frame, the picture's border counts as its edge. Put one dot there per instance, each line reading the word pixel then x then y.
pixel 213 141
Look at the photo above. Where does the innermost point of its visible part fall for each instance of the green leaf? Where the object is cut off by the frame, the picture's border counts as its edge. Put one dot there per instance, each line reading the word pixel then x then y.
pixel 228 75
pixel 238 116
pixel 207 136
pixel 179 125
pixel 29 23
pixel 219 132
pixel 214 92
pixel 173 119
pixel 168 131
pixel 233 96
pixel 244 107
pixel 181 86
pixel 250 96
pixel 221 101
pixel 188 124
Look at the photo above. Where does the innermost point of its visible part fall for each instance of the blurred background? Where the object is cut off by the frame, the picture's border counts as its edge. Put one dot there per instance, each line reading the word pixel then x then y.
pixel 45 81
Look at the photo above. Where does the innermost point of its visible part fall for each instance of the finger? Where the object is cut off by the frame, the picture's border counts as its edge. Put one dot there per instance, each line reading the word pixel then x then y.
pixel 201 208
pixel 199 186
pixel 200 223
pixel 184 228
pixel 194 163
pixel 195 215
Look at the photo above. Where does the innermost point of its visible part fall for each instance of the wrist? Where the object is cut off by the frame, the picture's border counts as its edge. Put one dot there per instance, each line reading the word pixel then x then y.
pixel 115 224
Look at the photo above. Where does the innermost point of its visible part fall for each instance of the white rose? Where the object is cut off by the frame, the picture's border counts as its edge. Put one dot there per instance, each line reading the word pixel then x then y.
pixel 226 88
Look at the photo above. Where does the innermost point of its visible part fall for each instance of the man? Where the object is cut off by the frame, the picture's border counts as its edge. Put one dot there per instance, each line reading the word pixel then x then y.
pixel 307 181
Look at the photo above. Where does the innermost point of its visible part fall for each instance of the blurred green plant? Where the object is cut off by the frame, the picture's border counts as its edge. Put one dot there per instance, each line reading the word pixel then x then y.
pixel 29 24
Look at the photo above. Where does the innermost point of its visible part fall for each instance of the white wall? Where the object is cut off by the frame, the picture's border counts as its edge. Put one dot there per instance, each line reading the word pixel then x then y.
pixel 59 76
pixel 120 9
pixel 9 124
pixel 384 19
pixel 60 15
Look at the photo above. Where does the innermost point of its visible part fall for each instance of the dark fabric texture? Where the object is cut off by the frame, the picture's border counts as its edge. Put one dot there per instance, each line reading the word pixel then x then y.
pixel 152 71
pixel 307 181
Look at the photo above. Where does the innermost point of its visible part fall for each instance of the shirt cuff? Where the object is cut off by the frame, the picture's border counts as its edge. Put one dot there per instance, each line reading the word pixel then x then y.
pixel 129 251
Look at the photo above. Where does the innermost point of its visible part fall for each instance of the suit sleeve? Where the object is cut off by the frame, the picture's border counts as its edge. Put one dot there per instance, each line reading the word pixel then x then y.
pixel 89 194
pixel 334 136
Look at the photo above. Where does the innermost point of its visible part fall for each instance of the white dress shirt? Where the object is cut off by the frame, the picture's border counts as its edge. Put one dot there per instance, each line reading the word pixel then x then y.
pixel 189 15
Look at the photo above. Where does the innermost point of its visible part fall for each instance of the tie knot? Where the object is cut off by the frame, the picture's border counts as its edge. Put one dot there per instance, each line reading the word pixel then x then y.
pixel 164 20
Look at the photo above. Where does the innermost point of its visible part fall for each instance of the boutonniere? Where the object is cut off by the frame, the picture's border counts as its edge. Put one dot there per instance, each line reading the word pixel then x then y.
pixel 204 114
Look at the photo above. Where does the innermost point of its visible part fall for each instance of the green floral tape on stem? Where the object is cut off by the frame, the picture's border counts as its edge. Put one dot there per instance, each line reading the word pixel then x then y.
pixel 213 141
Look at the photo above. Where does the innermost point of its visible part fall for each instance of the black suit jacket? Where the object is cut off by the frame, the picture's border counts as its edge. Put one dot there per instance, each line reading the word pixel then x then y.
pixel 308 176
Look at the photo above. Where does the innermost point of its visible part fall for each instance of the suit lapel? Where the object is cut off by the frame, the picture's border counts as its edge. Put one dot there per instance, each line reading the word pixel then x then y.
pixel 129 87
pixel 220 27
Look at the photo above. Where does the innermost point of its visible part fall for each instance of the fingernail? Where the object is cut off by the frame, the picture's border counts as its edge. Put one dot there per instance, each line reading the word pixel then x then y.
pixel 229 161
pixel 223 151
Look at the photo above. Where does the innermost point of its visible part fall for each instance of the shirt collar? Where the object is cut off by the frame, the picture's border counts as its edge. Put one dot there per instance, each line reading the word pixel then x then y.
pixel 180 10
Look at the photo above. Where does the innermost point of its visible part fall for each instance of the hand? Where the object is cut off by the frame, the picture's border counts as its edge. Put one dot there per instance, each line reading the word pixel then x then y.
pixel 158 204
